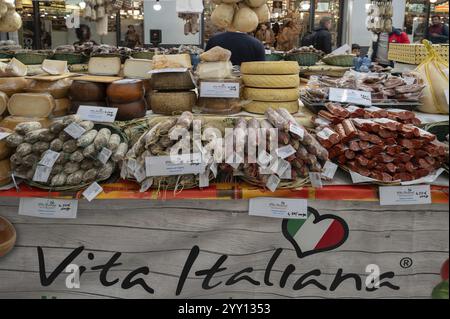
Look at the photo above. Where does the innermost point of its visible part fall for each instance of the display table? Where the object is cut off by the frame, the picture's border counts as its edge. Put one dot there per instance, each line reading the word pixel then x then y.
pixel 349 234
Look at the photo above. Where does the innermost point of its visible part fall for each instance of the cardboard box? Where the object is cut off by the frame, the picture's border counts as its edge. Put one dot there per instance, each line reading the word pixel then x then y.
pixel 414 53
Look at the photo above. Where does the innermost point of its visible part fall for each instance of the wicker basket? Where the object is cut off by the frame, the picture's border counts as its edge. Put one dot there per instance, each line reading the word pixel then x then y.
pixel 143 55
pixel 31 57
pixel 346 60
pixel 274 57
pixel 6 55
pixel 304 58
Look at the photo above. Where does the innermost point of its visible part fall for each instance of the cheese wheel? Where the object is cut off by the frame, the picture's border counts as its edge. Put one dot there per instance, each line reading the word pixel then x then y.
pixel 270 95
pixel 171 103
pixel 182 81
pixel 270 67
pixel 271 81
pixel 125 91
pixel 106 65
pixel 74 105
pixel 261 107
pixel 31 104
pixel 219 105
pixel 130 111
pixel 55 67
pixel 10 122
pixel 62 107
pixel 13 85
pixel 87 91
pixel 3 102
pixel 147 83
pixel 58 89
pixel 5 172
pixel 5 151
pixel 137 68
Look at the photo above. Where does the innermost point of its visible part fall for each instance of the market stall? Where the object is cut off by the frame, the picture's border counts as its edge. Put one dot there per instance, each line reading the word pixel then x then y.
pixel 317 176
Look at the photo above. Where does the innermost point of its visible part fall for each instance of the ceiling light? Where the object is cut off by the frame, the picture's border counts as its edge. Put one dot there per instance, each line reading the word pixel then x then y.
pixel 157 6
pixel 82 5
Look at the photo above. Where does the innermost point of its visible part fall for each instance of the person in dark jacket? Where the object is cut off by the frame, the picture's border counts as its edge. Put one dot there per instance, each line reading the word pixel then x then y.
pixel 243 47
pixel 322 36
pixel 438 31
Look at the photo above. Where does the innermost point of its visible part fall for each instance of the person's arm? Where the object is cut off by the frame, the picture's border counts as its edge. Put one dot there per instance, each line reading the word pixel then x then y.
pixel 405 39
pixel 444 36
pixel 260 52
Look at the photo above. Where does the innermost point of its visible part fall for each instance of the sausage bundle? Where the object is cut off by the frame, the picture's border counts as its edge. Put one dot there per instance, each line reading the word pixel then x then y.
pixel 382 149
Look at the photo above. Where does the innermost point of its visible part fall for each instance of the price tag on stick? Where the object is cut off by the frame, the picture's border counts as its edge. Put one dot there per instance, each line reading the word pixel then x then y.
pixel 350 96
pixel 92 191
pixel 405 195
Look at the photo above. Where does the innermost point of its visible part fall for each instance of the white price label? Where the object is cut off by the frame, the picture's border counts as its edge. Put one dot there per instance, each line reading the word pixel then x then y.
pixel 280 166
pixel 228 90
pixel 75 130
pixel 164 166
pixel 316 179
pixel 342 50
pixel 42 173
pixel 279 208
pixel 203 180
pixel 4 135
pixel 104 155
pixel 287 173
pixel 297 130
pixel 273 182
pixel 329 170
pixel 140 173
pixel 405 195
pixel 285 151
pixel 350 96
pixel 168 70
pixel 48 207
pixel 49 159
pixel 92 191
pixel 97 113
pixel 213 168
pixel 264 158
pixel 265 171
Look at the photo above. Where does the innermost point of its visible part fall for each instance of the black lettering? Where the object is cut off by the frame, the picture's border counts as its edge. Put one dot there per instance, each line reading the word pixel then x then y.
pixel 287 272
pixel 235 278
pixel 187 268
pixel 299 284
pixel 106 267
pixel 387 275
pixel 272 261
pixel 47 281
pixel 339 278
pixel 128 282
pixel 209 273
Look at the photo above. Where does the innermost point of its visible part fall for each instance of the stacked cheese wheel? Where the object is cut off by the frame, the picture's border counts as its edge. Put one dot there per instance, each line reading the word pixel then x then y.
pixel 140 69
pixel 271 85
pixel 86 93
pixel 127 96
pixel 12 80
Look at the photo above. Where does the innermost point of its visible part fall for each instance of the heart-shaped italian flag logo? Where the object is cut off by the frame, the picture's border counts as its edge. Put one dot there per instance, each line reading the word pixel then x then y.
pixel 316 233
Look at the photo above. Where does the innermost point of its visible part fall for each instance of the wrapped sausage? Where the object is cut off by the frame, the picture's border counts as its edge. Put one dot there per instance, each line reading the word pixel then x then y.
pixel 327 137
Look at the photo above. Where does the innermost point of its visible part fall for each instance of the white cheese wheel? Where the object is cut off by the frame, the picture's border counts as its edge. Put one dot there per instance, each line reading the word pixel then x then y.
pixel 260 107
pixel 3 102
pixel 171 103
pixel 271 81
pixel 5 172
pixel 10 122
pixel 271 95
pixel 13 68
pixel 214 70
pixel 62 107
pixel 137 68
pixel 270 67
pixel 13 85
pixel 31 104
pixel 55 67
pixel 104 66
pixel 58 89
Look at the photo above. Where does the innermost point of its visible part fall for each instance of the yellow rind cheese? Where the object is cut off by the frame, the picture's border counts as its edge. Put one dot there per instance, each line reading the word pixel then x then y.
pixel 270 67
pixel 271 81
pixel 261 107
pixel 271 95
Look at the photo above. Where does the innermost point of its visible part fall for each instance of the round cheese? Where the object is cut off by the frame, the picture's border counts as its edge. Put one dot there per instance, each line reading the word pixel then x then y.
pixel 173 81
pixel 31 104
pixel 74 105
pixel 62 107
pixel 147 83
pixel 270 67
pixel 13 85
pixel 5 172
pixel 87 91
pixel 3 102
pixel 261 107
pixel 171 103
pixel 125 91
pixel 58 89
pixel 5 151
pixel 271 81
pixel 130 111
pixel 271 95
pixel 10 122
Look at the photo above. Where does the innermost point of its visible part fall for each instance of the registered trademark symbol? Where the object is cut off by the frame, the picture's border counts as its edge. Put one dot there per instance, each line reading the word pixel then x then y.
pixel 406 263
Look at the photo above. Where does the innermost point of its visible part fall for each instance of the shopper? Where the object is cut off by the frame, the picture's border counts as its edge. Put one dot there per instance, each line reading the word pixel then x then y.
pixel 84 35
pixel 243 47
pixel 438 31
pixel 380 45
pixel 356 49
pixel 265 34
pixel 321 37
pixel 132 38
pixel 288 36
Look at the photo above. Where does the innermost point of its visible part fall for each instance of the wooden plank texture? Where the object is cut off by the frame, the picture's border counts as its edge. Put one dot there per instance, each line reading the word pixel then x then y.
pixel 160 235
